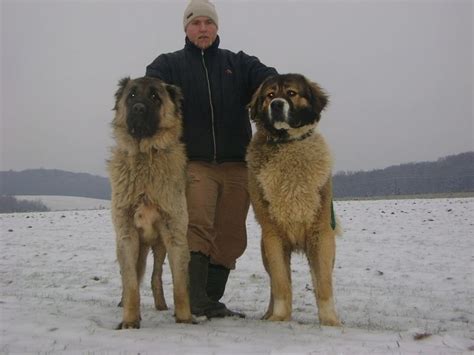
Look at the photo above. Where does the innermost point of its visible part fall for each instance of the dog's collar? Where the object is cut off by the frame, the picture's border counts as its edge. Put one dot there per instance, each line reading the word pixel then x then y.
pixel 278 140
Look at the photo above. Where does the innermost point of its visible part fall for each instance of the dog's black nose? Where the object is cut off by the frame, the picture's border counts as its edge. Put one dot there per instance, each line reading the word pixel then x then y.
pixel 277 105
pixel 139 108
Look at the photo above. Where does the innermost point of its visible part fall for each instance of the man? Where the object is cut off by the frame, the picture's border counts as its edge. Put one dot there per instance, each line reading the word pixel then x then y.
pixel 217 84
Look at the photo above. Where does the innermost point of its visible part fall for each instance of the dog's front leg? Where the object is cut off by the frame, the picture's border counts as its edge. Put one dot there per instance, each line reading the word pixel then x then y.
pixel 178 256
pixel 321 260
pixel 278 262
pixel 128 248
pixel 269 311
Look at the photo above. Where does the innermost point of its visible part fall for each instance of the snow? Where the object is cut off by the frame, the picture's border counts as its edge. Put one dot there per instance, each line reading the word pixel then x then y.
pixel 63 203
pixel 404 270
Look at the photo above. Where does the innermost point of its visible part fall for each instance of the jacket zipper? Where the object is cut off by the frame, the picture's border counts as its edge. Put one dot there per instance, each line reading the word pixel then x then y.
pixel 210 105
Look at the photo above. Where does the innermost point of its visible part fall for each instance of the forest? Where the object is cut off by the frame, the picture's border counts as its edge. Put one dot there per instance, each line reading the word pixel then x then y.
pixel 450 174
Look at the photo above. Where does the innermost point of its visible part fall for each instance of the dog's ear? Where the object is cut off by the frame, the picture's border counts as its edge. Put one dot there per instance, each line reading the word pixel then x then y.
pixel 175 93
pixel 176 96
pixel 118 95
pixel 319 98
pixel 255 103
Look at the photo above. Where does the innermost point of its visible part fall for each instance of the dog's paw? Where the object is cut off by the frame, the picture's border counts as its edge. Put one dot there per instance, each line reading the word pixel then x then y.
pixel 331 322
pixel 161 307
pixel 276 318
pixel 191 320
pixel 129 325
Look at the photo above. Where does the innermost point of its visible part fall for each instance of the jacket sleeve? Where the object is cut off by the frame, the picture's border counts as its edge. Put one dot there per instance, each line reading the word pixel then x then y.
pixel 256 72
pixel 159 68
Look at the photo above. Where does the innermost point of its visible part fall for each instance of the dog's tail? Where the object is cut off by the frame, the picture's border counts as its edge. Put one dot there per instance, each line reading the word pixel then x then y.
pixel 335 221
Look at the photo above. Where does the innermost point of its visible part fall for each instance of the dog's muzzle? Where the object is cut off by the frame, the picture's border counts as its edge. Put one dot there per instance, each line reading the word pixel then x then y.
pixel 278 113
pixel 141 121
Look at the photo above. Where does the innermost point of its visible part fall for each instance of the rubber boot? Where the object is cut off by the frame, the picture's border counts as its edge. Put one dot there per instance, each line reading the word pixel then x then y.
pixel 216 280
pixel 217 277
pixel 201 304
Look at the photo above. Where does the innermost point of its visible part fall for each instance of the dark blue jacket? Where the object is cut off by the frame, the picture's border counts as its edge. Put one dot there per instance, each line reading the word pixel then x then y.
pixel 217 84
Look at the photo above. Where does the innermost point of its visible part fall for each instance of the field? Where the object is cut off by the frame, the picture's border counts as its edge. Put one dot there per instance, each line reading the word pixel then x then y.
pixel 403 281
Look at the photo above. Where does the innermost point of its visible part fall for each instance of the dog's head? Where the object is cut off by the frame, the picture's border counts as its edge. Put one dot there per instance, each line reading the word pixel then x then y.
pixel 287 106
pixel 144 106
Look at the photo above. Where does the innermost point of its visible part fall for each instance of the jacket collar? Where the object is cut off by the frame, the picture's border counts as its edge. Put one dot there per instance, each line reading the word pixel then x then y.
pixel 191 47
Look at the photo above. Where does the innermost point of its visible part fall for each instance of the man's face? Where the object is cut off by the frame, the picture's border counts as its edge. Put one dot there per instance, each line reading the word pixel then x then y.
pixel 202 32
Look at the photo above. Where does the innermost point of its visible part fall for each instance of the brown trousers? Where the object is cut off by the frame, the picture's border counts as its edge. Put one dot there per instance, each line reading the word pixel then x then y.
pixel 218 203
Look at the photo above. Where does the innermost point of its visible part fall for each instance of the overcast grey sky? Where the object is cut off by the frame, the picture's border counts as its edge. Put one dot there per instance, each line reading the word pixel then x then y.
pixel 399 73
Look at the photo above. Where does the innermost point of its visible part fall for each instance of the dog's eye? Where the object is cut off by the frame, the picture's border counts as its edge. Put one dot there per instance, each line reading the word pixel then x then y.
pixel 291 93
pixel 271 95
pixel 154 96
pixel 132 94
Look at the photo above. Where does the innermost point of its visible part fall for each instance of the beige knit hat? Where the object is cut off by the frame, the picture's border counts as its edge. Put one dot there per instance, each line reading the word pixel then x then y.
pixel 198 8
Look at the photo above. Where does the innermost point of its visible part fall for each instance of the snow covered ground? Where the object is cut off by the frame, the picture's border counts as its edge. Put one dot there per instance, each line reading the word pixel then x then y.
pixel 65 203
pixel 403 281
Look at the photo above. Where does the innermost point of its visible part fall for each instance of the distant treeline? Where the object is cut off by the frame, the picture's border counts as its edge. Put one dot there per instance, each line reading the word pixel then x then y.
pixel 9 204
pixel 446 175
pixel 452 174
pixel 54 182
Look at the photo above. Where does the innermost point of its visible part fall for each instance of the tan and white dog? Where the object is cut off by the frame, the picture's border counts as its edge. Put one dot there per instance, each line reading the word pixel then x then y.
pixel 147 172
pixel 290 189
